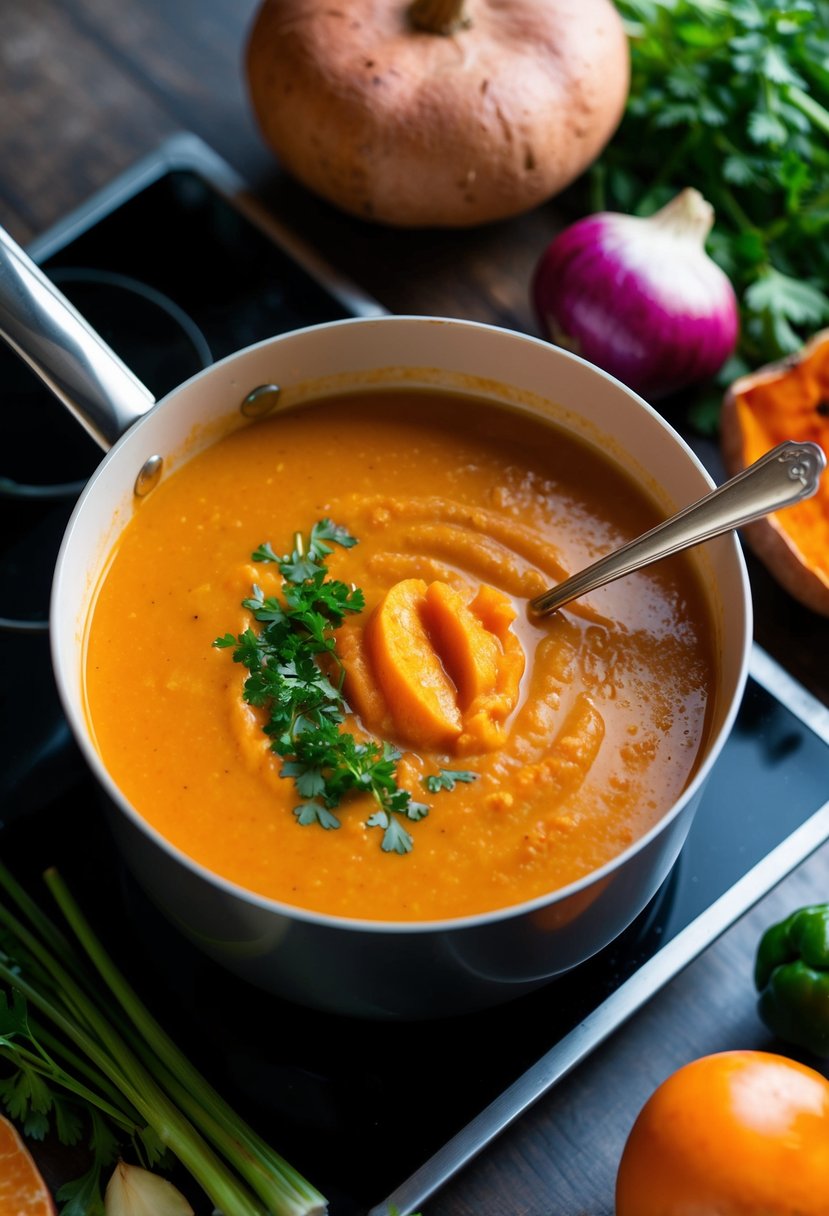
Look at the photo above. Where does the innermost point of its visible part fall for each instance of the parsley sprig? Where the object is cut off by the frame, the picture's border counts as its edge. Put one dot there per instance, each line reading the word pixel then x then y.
pixel 447 779
pixel 732 97
pixel 297 677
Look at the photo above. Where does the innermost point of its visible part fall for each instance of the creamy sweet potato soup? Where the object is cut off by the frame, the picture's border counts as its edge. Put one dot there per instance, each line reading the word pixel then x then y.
pixel 526 753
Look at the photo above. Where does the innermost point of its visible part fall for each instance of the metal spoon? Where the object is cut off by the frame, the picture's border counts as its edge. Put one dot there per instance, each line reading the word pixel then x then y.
pixel 785 475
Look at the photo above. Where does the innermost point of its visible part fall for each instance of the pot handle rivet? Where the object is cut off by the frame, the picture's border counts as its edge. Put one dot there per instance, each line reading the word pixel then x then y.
pixel 148 476
pixel 260 401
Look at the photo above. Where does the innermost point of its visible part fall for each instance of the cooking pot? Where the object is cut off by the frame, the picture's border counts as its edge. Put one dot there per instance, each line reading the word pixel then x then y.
pixel 359 967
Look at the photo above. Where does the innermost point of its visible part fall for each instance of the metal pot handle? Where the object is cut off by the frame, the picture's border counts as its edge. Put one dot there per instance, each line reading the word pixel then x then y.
pixel 49 334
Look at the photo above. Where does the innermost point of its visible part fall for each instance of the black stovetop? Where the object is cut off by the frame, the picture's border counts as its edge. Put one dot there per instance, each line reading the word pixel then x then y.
pixel 174 277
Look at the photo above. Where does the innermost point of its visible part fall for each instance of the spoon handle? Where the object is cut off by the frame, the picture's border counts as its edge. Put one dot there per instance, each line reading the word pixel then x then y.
pixel 785 475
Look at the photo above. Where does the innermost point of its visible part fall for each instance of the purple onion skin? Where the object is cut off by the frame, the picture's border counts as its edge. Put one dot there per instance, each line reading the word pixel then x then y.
pixel 586 299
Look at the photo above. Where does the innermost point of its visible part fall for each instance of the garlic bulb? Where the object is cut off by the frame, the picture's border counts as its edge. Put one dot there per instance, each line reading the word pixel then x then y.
pixel 132 1191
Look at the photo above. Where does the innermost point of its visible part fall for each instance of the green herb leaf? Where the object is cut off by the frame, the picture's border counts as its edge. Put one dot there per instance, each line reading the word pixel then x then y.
pixel 296 568
pixel 27 1098
pixel 395 837
pixel 14 1017
pixel 296 677
pixel 414 810
pixel 326 530
pixel 264 554
pixel 801 302
pixel 68 1121
pixel 312 812
pixel 83 1196
pixel 447 778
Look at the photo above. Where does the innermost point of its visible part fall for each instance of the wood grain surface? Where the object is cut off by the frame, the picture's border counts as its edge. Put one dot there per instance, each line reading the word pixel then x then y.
pixel 87 87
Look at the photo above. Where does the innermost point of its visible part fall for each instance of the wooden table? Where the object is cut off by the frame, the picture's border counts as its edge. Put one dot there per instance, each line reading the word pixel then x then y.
pixel 87 87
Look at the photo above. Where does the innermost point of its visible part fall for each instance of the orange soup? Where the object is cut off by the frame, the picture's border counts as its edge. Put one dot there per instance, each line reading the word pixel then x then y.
pixel 532 751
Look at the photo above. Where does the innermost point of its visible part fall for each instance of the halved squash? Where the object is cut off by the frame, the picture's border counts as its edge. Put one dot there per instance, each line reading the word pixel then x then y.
pixel 786 400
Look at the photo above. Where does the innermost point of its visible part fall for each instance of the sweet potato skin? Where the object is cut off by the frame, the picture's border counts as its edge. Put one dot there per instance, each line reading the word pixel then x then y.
pixel 414 129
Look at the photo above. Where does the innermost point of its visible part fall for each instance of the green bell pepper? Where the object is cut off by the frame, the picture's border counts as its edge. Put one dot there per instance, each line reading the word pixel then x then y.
pixel 791 973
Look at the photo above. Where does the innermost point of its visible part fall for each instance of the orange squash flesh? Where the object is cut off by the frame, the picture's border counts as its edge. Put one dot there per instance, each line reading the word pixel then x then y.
pixel 470 652
pixel 409 670
pixel 429 670
pixel 789 400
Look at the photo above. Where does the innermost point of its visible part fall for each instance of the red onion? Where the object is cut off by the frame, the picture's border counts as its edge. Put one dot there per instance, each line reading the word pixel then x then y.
pixel 640 297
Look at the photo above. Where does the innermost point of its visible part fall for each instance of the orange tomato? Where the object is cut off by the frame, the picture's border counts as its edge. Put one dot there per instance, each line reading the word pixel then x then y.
pixel 22 1190
pixel 739 1133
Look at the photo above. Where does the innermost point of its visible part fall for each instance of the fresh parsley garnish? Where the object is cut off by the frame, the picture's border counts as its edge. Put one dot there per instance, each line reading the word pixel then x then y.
pixel 733 98
pixel 447 779
pixel 297 678
pixel 305 561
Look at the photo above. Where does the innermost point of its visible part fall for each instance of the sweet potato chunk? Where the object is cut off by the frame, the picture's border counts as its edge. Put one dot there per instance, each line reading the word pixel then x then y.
pixel 422 699
pixel 441 672
pixel 362 692
pixel 469 651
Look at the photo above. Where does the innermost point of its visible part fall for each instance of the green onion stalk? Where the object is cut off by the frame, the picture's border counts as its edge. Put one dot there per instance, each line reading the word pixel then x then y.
pixel 130 1069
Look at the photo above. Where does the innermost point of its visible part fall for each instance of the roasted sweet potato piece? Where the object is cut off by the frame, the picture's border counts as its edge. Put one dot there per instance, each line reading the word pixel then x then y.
pixel 444 673
pixel 422 699
pixel 469 652
pixel 362 692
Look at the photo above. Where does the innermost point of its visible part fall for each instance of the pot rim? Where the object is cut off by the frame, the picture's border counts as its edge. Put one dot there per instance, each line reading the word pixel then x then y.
pixel 268 904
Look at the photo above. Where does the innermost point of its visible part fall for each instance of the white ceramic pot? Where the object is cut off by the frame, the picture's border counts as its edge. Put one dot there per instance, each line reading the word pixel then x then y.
pixel 359 967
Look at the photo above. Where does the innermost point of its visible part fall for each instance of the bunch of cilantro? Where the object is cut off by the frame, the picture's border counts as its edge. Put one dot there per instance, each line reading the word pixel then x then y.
pixel 732 97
